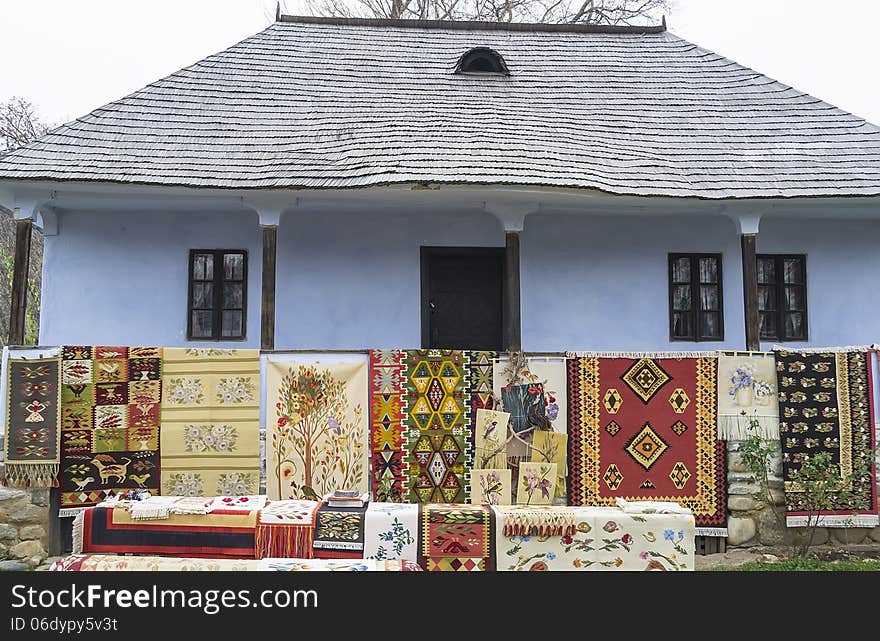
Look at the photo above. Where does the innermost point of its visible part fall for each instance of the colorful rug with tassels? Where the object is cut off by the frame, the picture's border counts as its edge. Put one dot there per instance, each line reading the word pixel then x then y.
pixel 645 429
pixel 285 529
pixel 339 532
pixel 32 444
pixel 423 406
pixel 456 538
pixel 825 406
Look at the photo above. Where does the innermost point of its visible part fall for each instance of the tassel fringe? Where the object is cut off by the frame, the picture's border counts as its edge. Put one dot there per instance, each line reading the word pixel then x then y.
pixel 77 543
pixel 67 512
pixel 711 531
pixel 284 541
pixel 641 354
pixel 739 428
pixel 559 522
pixel 835 520
pixel 31 475
pixel 824 350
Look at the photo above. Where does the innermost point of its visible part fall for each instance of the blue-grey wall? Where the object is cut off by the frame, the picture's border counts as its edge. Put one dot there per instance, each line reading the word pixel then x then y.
pixel 121 279
pixel 351 280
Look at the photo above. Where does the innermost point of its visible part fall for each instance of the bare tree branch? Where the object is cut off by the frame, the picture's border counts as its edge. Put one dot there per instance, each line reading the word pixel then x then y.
pixel 599 12
pixel 19 124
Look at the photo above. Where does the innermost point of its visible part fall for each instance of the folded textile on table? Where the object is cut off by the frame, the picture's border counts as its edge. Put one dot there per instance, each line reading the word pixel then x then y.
pixel 538 520
pixel 152 508
pixel 210 417
pixel 644 429
pixel 456 538
pixel 391 531
pixel 109 530
pixel 748 403
pixel 110 441
pixel 338 565
pixel 651 507
pixel 117 563
pixel 236 504
pixel 339 532
pixel 826 407
pixel 605 539
pixel 423 407
pixel 33 418
pixel 286 529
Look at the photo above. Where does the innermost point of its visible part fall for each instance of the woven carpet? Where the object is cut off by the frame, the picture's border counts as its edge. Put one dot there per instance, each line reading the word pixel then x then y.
pixel 339 532
pixel 825 406
pixel 456 538
pixel 316 435
pixel 285 529
pixel 110 441
pixel 32 443
pixel 422 410
pixel 210 422
pixel 645 429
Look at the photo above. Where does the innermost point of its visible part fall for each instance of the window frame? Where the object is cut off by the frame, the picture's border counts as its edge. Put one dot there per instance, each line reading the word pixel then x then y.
pixel 217 297
pixel 779 286
pixel 696 311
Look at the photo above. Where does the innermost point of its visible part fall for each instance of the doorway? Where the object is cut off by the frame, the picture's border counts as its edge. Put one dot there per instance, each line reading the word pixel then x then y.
pixel 462 298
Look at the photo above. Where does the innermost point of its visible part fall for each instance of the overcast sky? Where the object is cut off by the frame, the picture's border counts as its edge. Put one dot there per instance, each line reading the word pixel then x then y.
pixel 70 57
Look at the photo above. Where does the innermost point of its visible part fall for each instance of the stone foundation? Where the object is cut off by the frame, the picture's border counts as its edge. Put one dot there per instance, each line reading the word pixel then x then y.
pixel 24 527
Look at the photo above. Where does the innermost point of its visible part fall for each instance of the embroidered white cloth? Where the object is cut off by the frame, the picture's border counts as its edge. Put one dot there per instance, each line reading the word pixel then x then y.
pixel 651 507
pixel 748 402
pixel 236 504
pixel 391 531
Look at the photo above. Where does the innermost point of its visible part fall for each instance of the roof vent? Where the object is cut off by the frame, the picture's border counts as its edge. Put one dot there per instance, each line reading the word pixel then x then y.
pixel 482 60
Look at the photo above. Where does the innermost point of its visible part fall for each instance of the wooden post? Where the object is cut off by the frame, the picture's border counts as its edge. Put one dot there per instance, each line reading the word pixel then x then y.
pixel 512 321
pixel 20 268
pixel 750 292
pixel 267 306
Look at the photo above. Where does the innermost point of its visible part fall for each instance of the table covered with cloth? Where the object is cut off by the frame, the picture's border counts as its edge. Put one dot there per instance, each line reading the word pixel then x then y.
pixel 118 563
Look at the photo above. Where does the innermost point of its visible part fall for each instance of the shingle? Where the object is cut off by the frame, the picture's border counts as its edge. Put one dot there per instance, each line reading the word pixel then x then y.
pixel 313 105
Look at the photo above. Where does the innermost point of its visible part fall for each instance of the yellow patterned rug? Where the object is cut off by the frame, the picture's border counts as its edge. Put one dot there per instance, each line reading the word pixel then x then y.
pixel 210 422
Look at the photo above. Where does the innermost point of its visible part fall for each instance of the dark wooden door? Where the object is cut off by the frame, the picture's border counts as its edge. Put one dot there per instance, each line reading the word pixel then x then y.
pixel 462 297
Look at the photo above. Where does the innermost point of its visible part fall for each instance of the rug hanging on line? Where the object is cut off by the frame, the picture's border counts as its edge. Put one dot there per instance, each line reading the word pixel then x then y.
pixel 316 436
pixel 33 421
pixel 423 407
pixel 747 398
pixel 210 422
pixel 110 399
pixel 645 429
pixel 456 538
pixel 825 406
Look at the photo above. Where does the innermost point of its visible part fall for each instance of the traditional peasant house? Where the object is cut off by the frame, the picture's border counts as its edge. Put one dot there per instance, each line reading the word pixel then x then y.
pixel 349 183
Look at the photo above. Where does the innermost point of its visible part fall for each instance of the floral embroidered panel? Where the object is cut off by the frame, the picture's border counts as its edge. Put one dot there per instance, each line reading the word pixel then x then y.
pixel 210 422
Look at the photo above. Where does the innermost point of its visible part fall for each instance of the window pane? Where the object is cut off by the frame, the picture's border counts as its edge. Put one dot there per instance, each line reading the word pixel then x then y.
pixel 233 266
pixel 711 325
pixel 203 295
pixel 709 297
pixel 202 324
pixel 708 270
pixel 232 297
pixel 681 297
pixel 231 324
pixel 203 267
pixel 794 299
pixel 794 325
pixel 768 326
pixel 766 299
pixel 681 270
pixel 766 271
pixel 681 325
pixel 794 273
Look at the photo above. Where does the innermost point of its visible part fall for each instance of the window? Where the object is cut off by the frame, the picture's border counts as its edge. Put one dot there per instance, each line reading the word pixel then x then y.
pixel 782 296
pixel 695 297
pixel 482 60
pixel 217 294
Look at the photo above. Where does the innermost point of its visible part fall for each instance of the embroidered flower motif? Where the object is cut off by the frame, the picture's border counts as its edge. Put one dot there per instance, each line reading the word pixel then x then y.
pixel 216 438
pixel 643 556
pixel 626 539
pixel 668 535
pixel 551 556
pixel 236 483
pixel 186 390
pixel 235 390
pixel 185 484
pixel 610 526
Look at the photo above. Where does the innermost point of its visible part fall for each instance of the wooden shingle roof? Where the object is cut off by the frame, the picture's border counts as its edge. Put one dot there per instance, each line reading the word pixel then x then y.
pixel 318 103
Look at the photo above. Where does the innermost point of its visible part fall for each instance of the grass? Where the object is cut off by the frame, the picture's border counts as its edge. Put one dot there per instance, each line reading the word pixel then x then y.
pixel 808 565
